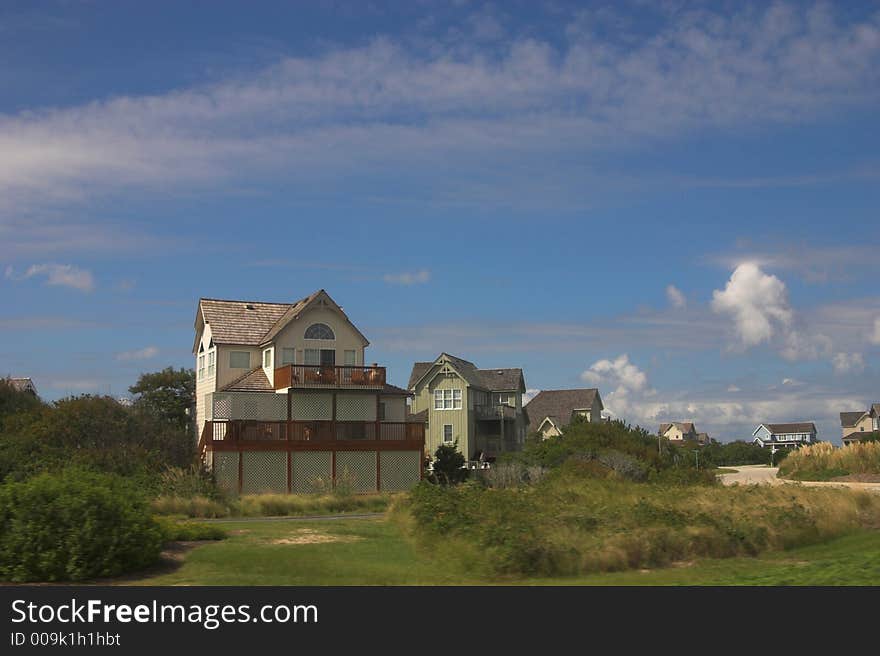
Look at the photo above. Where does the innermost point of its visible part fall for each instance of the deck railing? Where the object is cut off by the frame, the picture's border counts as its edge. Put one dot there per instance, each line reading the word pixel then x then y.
pixel 488 412
pixel 241 431
pixel 315 375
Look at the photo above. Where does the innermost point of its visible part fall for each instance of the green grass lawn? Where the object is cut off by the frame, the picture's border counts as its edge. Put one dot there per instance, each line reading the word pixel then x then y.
pixel 373 552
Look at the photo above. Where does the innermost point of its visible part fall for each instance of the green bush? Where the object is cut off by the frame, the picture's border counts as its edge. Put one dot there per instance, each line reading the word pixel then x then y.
pixel 74 525
pixel 188 531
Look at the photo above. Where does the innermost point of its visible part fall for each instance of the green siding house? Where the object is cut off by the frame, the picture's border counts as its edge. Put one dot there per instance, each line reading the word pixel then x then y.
pixel 479 409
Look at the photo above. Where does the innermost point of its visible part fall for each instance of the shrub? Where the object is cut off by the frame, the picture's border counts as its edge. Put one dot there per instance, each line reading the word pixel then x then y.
pixel 189 531
pixel 73 526
pixel 823 461
pixel 448 465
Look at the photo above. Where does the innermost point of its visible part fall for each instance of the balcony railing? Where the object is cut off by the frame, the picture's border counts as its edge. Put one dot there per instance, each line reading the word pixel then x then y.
pixel 488 412
pixel 241 431
pixel 315 375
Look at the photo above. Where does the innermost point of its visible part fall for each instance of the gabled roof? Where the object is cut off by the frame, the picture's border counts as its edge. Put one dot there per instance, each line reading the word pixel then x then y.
pixel 849 419
pixel 255 323
pixel 781 429
pixel 22 385
pixel 253 381
pixel 683 426
pixel 493 380
pixel 559 405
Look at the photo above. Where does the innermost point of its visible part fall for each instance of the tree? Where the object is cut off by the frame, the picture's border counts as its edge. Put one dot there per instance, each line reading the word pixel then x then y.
pixel 168 394
pixel 448 464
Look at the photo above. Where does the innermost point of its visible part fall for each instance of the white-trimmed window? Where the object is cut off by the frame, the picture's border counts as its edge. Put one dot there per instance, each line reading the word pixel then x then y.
pixel 211 356
pixel 239 360
pixel 447 433
pixel 288 356
pixel 267 358
pixel 447 399
pixel 350 355
pixel 319 331
pixel 504 398
pixel 313 356
pixel 201 367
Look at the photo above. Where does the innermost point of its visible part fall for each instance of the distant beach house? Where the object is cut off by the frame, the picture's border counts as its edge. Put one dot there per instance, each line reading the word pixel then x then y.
pixel 479 409
pixel 22 385
pixel 550 411
pixel 678 431
pixel 855 425
pixel 784 436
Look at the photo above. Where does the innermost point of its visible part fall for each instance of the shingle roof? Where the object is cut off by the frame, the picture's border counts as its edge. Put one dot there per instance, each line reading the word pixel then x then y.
pixel 683 426
pixel 241 322
pixel 394 389
pixel 494 380
pixel 254 323
pixel 418 416
pixel 848 419
pixel 558 405
pixel 801 427
pixel 22 384
pixel 253 381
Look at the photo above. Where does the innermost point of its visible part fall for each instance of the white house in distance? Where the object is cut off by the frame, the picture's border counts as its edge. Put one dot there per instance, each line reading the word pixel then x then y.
pixel 854 425
pixel 785 436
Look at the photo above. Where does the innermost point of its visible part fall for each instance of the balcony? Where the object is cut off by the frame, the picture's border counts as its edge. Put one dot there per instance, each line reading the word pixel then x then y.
pixel 494 412
pixel 295 435
pixel 329 376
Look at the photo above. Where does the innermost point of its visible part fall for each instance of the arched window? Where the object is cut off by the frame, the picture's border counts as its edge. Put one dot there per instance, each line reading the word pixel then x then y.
pixel 319 331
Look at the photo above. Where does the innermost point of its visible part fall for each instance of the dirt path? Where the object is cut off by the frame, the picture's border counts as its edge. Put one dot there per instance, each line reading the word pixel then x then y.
pixel 763 475
pixel 292 518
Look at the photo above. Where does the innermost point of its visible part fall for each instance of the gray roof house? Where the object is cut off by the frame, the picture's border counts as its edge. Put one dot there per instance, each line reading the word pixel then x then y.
pixel 550 411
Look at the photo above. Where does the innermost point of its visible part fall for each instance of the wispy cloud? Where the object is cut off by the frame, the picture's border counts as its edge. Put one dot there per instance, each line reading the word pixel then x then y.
pixel 675 296
pixel 145 353
pixel 392 104
pixel 408 278
pixel 812 263
pixel 64 275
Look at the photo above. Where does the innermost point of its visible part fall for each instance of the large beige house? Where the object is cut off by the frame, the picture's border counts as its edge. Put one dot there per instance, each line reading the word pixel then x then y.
pixel 854 425
pixel 550 411
pixel 480 410
pixel 678 431
pixel 285 401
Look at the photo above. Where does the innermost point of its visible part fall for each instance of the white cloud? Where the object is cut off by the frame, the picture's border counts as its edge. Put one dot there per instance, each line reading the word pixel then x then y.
pixel 628 380
pixel 529 395
pixel 733 388
pixel 140 354
pixel 64 275
pixel 676 297
pixel 407 278
pixel 874 338
pixel 393 105
pixel 757 302
pixel 848 363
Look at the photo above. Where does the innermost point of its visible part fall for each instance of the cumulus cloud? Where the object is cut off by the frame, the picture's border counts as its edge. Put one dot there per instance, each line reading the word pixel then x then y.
pixel 757 302
pixel 140 354
pixel 848 363
pixel 64 275
pixel 407 278
pixel 676 297
pixel 733 388
pixel 628 380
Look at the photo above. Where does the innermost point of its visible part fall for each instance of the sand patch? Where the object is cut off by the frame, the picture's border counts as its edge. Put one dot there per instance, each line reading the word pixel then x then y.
pixel 311 536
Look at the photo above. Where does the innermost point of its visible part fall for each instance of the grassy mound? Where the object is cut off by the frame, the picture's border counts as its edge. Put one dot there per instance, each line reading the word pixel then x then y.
pixel 822 461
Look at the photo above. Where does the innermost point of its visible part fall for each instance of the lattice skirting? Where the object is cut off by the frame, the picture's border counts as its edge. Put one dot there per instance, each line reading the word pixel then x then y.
pixel 356 469
pixel 264 471
pixel 399 469
pixel 225 465
pixel 312 471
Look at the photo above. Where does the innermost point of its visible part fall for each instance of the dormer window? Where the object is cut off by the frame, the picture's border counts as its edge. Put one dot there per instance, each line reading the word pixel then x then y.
pixel 267 358
pixel 319 331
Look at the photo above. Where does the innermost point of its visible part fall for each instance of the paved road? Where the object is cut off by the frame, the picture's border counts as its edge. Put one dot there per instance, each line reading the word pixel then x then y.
pixel 763 475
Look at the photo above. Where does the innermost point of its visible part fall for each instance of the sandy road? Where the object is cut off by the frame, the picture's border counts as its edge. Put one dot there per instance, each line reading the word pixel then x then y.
pixel 763 475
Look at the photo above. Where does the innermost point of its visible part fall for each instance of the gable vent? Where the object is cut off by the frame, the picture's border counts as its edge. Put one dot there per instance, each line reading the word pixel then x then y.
pixel 249 306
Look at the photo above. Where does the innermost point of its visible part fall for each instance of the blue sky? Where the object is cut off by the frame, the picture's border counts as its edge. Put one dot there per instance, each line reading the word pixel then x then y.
pixel 676 202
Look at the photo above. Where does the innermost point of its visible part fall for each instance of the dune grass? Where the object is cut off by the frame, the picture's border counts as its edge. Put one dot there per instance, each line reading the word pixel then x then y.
pixel 574 525
pixel 376 552
pixel 822 461
pixel 268 505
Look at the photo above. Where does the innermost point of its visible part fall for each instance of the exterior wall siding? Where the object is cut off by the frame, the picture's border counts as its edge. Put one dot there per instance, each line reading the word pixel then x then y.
pixel 346 337
pixel 461 420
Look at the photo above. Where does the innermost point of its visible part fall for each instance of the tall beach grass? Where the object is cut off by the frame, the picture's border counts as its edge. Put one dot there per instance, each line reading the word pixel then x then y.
pixel 823 461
